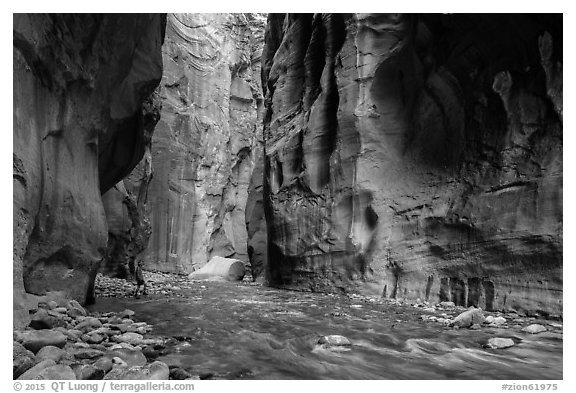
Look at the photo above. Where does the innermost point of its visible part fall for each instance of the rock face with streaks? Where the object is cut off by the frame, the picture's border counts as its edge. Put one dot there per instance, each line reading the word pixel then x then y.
pixel 205 144
pixel 79 84
pixel 416 156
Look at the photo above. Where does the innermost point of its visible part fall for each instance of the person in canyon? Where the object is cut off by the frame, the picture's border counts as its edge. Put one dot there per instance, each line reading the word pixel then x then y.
pixel 139 275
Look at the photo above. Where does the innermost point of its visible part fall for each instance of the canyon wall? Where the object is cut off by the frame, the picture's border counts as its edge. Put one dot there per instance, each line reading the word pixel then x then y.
pixel 416 156
pixel 79 84
pixel 205 145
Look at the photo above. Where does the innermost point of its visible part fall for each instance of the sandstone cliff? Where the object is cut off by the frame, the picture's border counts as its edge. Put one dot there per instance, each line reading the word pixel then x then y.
pixel 79 82
pixel 205 145
pixel 416 156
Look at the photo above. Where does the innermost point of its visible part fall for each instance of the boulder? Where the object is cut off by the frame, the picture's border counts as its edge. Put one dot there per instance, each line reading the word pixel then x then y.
pixel 88 324
pixel 220 268
pixel 178 373
pixel 500 343
pixel 21 365
pixel 87 353
pixel 129 338
pixel 50 352
pixel 155 371
pixel 159 371
pixel 127 313
pixel 57 372
pixel 534 329
pixel 33 372
pixel 333 343
pixel 44 319
pixel 34 340
pixel 104 363
pixel 93 338
pixel 75 309
pixel 468 318
pixel 18 351
pixel 88 372
pixel 334 340
pixel 123 372
pixel 132 357
pixel 22 359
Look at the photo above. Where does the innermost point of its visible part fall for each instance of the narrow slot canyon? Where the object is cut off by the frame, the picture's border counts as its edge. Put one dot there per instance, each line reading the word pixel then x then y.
pixel 287 196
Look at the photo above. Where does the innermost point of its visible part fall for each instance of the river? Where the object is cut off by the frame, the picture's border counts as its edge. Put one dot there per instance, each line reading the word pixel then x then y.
pixel 239 331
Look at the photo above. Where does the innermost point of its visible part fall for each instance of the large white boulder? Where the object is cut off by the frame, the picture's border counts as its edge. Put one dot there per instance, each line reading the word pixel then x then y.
pixel 220 268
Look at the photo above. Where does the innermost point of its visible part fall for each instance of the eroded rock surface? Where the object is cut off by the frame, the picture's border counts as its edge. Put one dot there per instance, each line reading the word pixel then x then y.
pixel 205 145
pixel 79 84
pixel 416 156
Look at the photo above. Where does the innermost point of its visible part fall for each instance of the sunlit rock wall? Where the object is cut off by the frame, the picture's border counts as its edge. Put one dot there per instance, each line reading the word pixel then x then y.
pixel 205 146
pixel 79 81
pixel 416 156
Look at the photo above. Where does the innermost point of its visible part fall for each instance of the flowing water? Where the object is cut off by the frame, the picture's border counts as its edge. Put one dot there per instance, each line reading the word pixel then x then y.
pixel 235 331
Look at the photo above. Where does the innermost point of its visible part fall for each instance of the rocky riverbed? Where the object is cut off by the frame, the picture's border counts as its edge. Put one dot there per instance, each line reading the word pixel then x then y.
pixel 163 284
pixel 186 329
pixel 64 342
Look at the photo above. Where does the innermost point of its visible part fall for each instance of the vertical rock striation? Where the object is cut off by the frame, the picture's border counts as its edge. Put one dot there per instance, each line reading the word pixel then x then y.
pixel 416 156
pixel 205 145
pixel 79 82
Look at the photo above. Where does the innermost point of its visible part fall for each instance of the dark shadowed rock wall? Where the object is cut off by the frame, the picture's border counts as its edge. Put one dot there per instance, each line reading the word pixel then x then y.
pixel 79 81
pixel 416 156
pixel 205 145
